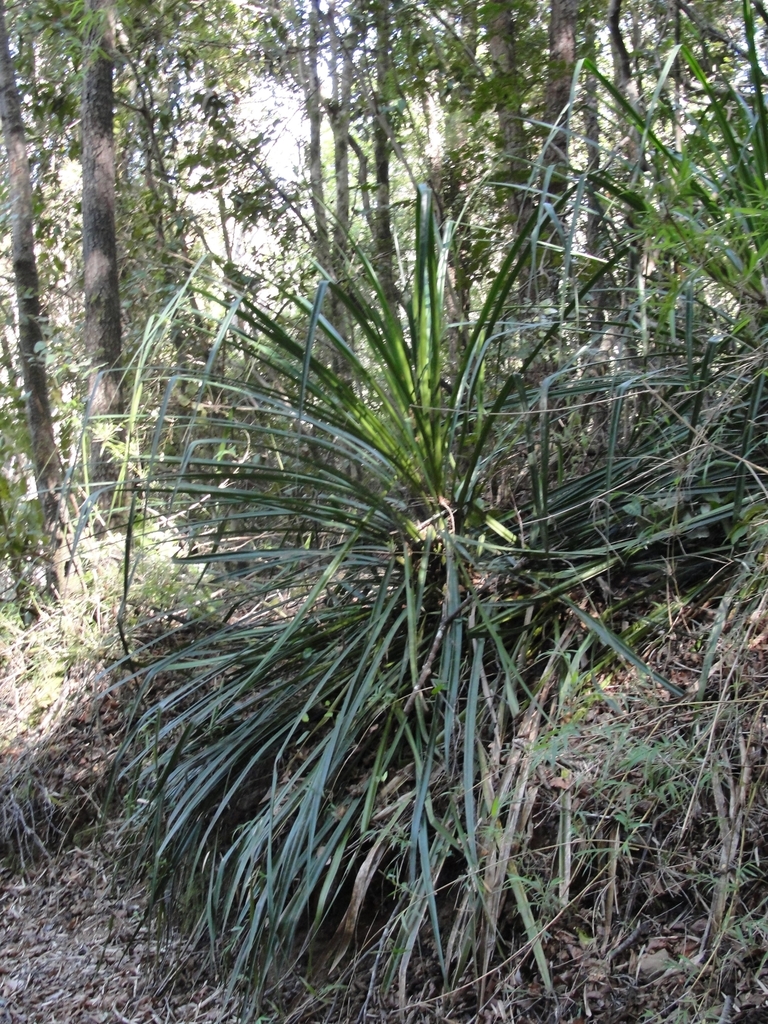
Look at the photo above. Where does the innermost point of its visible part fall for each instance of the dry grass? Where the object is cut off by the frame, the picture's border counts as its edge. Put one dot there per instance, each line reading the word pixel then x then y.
pixel 74 943
pixel 640 841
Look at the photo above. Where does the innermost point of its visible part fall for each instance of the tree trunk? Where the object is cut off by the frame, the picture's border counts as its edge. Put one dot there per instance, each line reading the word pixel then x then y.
pixel 623 77
pixel 598 298
pixel 339 111
pixel 102 330
pixel 562 59
pixel 677 76
pixel 339 116
pixel 592 138
pixel 384 246
pixel 502 45
pixel 31 345
pixel 312 99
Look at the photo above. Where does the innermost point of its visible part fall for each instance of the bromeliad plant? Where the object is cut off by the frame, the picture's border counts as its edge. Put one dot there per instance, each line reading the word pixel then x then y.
pixel 341 746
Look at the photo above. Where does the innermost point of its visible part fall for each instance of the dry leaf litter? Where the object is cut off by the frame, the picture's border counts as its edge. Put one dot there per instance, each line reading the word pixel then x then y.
pixel 644 940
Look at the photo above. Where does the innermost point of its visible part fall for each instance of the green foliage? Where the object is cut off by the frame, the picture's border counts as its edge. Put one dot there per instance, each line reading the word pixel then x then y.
pixel 398 620
pixel 707 207
pixel 415 552
pixel 22 538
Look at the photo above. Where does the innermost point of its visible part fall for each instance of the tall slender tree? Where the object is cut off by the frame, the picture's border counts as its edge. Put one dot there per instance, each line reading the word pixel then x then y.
pixel 339 110
pixel 102 332
pixel 625 80
pixel 31 342
pixel 384 245
pixel 339 115
pixel 504 45
pixel 310 72
pixel 562 58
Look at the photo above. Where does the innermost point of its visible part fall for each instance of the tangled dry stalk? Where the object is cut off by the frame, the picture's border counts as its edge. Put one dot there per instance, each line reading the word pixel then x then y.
pixel 637 840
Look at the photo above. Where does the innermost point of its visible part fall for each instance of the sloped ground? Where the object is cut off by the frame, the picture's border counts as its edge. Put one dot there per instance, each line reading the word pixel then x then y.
pixel 72 949
pixel 651 814
pixel 73 944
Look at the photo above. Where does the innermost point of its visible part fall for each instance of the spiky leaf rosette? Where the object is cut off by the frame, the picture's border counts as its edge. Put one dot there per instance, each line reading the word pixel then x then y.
pixel 357 734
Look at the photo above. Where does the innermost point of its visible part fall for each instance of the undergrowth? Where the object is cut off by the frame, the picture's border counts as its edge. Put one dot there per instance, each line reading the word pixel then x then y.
pixel 464 707
pixel 448 610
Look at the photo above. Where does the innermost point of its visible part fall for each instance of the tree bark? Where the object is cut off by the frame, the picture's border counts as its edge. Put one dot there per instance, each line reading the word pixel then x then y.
pixel 623 77
pixel 102 331
pixel 502 45
pixel 384 245
pixel 598 298
pixel 45 454
pixel 312 99
pixel 339 113
pixel 625 81
pixel 339 117
pixel 592 137
pixel 562 59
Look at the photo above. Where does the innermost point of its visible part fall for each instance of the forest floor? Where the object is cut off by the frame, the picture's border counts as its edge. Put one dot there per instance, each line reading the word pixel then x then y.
pixel 73 949
pixel 675 929
pixel 74 945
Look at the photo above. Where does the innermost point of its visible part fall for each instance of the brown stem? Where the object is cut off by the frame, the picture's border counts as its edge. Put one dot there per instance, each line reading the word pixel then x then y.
pixel 45 454
pixel 102 328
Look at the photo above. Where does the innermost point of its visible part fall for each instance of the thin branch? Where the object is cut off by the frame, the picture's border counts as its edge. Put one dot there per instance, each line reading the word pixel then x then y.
pixel 709 30
pixel 761 10
pixel 362 177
